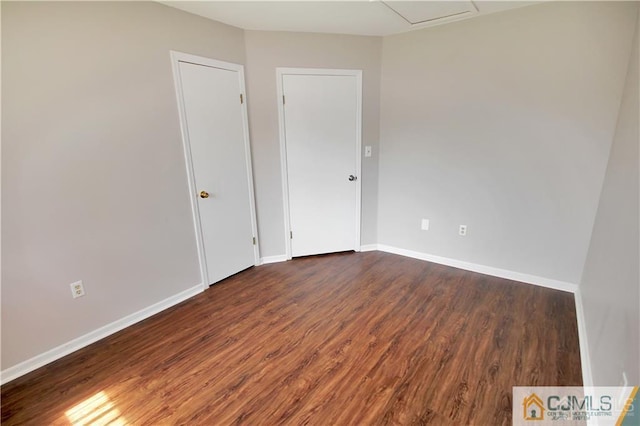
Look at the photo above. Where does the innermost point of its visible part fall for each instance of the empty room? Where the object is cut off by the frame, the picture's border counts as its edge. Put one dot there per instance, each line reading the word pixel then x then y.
pixel 320 212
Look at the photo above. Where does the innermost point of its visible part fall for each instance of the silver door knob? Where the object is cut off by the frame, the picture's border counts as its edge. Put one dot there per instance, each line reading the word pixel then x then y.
pixel 352 178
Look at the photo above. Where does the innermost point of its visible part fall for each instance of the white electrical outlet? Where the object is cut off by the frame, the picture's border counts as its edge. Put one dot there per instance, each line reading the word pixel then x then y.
pixel 367 151
pixel 462 230
pixel 425 224
pixel 77 289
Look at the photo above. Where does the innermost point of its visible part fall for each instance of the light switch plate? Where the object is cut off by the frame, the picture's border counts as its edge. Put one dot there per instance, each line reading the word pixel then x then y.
pixel 367 151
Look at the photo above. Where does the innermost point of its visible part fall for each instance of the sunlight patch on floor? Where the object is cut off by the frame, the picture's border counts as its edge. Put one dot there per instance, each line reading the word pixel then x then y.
pixel 94 411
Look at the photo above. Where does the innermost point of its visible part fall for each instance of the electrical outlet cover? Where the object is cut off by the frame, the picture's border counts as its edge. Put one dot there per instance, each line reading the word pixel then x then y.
pixel 77 289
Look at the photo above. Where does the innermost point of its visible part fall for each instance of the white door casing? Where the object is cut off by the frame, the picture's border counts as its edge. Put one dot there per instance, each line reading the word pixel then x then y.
pixel 320 142
pixel 213 120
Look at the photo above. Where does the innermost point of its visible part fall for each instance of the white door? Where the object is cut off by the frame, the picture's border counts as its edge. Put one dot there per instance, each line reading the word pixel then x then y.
pixel 321 120
pixel 214 125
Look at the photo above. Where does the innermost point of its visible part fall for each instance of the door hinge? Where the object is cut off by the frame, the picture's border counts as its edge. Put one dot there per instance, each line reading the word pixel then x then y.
pixel 283 100
pixel 291 235
pixel 254 241
pixel 241 98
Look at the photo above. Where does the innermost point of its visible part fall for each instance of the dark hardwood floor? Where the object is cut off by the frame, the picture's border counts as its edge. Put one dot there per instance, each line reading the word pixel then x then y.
pixel 347 339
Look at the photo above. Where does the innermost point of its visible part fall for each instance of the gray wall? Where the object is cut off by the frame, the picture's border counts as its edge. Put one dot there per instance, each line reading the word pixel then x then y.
pixel 268 50
pixel 502 123
pixel 610 285
pixel 93 179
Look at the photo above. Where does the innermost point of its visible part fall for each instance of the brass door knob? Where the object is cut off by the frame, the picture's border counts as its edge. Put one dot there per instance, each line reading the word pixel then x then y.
pixel 204 194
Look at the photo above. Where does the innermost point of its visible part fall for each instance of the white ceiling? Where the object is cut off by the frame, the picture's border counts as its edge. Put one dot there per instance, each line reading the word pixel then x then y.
pixel 360 17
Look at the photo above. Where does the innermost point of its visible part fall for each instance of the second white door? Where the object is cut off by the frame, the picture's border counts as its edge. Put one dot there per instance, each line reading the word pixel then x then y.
pixel 320 119
pixel 214 120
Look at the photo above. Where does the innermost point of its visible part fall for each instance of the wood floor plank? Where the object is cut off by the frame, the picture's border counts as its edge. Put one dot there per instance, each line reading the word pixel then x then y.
pixel 346 339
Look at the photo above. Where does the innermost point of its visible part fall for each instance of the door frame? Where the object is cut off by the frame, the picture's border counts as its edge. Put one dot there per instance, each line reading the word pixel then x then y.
pixel 280 73
pixel 176 58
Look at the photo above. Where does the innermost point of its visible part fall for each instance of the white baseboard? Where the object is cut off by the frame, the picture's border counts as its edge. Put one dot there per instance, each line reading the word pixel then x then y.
pixel 51 355
pixel 487 270
pixel 585 360
pixel 273 259
pixel 38 361
pixel 587 378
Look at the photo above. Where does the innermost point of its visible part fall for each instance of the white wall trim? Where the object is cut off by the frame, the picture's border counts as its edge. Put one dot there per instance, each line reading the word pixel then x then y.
pixel 249 167
pixel 283 166
pixel 51 355
pixel 587 377
pixel 585 359
pixel 483 269
pixel 273 259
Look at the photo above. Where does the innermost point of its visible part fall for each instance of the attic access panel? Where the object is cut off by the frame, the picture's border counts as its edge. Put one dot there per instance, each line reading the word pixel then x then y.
pixel 421 12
